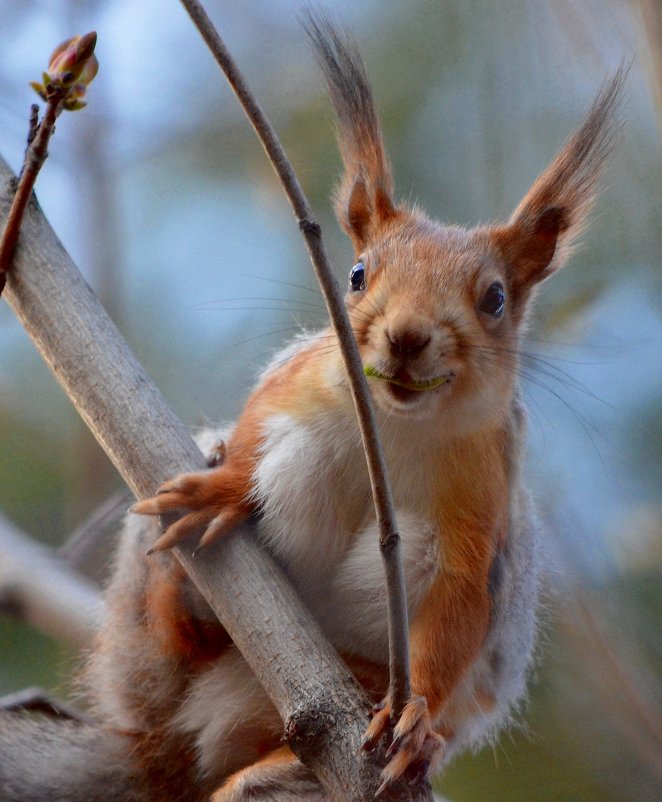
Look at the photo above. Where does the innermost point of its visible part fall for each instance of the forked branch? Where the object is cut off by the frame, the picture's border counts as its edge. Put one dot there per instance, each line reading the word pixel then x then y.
pixel 147 444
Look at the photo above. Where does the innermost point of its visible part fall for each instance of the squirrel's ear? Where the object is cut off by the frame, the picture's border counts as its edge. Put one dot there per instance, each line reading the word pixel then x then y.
pixel 362 207
pixel 539 236
pixel 364 199
pixel 536 242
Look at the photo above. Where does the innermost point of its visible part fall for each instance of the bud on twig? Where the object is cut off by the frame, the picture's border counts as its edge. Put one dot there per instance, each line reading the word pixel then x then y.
pixel 71 69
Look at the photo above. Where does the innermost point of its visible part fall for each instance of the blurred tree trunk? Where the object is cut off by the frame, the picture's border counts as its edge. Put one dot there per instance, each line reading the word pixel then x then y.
pixel 651 12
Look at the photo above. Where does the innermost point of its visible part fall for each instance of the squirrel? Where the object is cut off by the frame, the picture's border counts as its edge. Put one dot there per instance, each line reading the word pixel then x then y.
pixel 439 313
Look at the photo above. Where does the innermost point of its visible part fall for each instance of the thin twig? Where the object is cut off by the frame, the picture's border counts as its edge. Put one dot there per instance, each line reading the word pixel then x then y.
pixel 628 686
pixel 311 231
pixel 33 126
pixel 35 156
pixel 72 66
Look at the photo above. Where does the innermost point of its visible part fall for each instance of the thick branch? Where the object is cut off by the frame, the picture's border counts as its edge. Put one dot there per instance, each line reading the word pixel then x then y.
pixel 148 444
pixel 388 529
pixel 651 12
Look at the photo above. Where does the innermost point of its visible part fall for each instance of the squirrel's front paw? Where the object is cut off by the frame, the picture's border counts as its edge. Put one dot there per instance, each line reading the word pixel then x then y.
pixel 206 501
pixel 416 748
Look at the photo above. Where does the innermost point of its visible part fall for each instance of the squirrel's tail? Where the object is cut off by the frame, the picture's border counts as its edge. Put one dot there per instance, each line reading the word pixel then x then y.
pixel 64 761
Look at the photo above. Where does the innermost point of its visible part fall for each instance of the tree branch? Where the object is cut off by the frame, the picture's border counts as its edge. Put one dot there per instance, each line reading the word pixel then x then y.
pixel 40 588
pixel 389 538
pixel 35 156
pixel 651 13
pixel 72 66
pixel 37 700
pixel 147 444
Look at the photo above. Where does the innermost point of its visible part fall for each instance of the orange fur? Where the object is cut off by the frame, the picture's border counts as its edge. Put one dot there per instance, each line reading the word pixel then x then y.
pixel 373 677
pixel 278 757
pixel 179 632
pixel 419 319
pixel 167 766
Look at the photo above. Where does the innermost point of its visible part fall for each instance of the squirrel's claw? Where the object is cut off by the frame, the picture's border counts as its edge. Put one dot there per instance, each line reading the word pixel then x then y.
pixel 415 746
pixel 379 724
pixel 177 495
pixel 228 518
pixel 179 531
pixel 196 495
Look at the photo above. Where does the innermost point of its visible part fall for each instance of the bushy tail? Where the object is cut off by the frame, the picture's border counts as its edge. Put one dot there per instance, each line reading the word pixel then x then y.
pixel 63 761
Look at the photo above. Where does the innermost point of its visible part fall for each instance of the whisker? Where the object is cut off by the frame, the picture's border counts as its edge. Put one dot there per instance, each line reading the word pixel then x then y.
pixel 294 285
pixel 263 335
pixel 291 302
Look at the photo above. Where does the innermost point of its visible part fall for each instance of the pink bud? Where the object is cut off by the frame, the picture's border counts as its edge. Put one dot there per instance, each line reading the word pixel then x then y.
pixel 71 69
pixel 64 55
pixel 89 71
pixel 70 59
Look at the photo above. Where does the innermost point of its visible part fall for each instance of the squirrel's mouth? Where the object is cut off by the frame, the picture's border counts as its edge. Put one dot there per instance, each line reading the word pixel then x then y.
pixel 406 382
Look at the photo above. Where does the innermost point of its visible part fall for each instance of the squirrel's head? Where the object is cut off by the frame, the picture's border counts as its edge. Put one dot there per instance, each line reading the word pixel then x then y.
pixel 438 311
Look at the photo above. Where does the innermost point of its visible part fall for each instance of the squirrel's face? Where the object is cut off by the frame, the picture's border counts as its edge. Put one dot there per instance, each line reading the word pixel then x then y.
pixel 436 325
pixel 437 311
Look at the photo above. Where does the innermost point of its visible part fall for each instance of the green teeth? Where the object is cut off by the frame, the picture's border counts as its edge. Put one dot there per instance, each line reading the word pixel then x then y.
pixel 420 386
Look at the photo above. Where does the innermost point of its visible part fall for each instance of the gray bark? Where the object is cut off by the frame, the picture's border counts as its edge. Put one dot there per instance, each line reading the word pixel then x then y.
pixel 311 688
pixel 38 585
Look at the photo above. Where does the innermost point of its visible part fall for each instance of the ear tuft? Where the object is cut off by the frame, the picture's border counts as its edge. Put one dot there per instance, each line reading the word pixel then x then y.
pixel 364 200
pixel 539 236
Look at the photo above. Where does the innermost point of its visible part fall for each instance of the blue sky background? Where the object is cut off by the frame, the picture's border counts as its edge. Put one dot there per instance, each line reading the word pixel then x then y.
pixel 162 196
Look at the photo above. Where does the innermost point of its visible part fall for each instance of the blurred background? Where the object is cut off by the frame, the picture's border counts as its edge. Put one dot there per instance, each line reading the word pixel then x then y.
pixel 164 199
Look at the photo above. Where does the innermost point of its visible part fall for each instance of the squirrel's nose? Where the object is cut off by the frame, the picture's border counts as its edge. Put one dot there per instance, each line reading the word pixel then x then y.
pixel 407 335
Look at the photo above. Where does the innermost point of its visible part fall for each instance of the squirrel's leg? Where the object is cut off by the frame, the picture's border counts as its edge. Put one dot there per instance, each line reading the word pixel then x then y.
pixel 450 625
pixel 278 777
pixel 446 634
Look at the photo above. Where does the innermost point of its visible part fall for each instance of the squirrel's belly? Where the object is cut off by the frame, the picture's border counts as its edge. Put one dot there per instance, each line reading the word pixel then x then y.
pixel 318 519
pixel 312 488
pixel 351 603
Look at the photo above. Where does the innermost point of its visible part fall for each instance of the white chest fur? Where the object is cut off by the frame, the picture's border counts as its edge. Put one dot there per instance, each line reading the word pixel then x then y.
pixel 318 519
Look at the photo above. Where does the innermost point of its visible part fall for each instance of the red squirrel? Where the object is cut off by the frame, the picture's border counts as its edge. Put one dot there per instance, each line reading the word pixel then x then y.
pixel 439 313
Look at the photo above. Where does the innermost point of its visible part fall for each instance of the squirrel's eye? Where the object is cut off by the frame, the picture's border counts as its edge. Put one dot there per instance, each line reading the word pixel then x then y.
pixel 357 277
pixel 494 300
